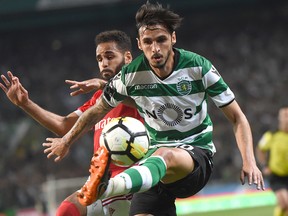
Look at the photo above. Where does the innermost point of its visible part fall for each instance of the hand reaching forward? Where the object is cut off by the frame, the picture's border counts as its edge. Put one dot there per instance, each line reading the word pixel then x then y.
pixel 253 175
pixel 14 90
pixel 85 86
pixel 56 147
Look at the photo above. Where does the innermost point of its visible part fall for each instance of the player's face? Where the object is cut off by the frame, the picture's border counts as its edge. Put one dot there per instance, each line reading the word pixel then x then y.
pixel 156 43
pixel 110 59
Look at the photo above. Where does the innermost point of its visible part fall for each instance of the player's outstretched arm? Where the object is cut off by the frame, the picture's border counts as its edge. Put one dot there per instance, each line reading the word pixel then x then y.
pixel 19 96
pixel 84 87
pixel 244 141
pixel 58 147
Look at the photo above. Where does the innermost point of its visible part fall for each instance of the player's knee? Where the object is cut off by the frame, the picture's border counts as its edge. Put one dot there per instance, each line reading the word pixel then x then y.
pixel 71 207
pixel 67 208
pixel 282 198
pixel 167 154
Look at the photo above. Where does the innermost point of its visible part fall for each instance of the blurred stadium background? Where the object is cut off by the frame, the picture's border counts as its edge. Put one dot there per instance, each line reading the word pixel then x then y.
pixel 45 42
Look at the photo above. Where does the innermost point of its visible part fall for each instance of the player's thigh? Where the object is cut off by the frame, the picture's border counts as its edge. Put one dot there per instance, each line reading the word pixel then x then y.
pixel 178 161
pixel 195 180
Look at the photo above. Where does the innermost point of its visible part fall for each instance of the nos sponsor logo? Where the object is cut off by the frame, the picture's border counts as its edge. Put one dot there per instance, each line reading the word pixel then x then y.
pixel 170 114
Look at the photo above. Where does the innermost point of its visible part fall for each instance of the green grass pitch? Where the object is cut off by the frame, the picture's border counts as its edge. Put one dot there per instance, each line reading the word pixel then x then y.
pixel 261 211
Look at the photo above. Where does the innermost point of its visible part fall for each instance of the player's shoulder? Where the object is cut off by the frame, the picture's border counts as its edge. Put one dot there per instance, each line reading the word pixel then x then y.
pixel 192 59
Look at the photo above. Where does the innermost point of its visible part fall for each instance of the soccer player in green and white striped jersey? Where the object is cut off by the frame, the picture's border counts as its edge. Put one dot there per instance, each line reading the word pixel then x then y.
pixel 170 88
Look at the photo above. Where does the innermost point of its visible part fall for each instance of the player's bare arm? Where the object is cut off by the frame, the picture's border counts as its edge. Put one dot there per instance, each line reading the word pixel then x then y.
pixel 84 87
pixel 59 147
pixel 19 96
pixel 244 141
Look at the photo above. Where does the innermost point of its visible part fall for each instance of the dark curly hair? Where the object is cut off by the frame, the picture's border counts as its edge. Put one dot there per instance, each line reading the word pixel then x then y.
pixel 122 40
pixel 152 14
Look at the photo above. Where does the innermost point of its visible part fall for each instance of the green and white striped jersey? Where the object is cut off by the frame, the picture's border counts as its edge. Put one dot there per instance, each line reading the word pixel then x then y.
pixel 174 108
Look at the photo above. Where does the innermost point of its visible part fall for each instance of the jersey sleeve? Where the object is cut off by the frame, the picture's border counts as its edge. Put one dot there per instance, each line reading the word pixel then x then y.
pixel 264 142
pixel 115 91
pixel 215 86
pixel 88 103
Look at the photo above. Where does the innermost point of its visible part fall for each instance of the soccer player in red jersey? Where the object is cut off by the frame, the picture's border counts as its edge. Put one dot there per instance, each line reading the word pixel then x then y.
pixel 113 50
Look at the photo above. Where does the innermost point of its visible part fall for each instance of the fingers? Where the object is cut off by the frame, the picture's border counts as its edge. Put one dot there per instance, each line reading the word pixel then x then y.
pixel 47 144
pixel 259 182
pixel 250 178
pixel 5 80
pixel 15 83
pixel 77 92
pixel 50 150
pixel 242 177
pixel 262 184
pixel 23 89
pixel 10 75
pixel 70 82
pixel 50 155
pixel 78 86
pixel 57 159
pixel 254 178
pixel 8 83
pixel 54 148
pixel 75 84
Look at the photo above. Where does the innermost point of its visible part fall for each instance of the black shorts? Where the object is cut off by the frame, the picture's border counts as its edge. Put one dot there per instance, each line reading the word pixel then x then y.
pixel 278 182
pixel 160 200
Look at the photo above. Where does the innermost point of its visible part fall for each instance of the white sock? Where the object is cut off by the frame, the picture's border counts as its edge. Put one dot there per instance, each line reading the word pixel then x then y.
pixel 137 178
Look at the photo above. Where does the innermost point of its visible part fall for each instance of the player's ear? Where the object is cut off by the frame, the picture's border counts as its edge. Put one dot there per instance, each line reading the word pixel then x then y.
pixel 139 43
pixel 127 57
pixel 173 38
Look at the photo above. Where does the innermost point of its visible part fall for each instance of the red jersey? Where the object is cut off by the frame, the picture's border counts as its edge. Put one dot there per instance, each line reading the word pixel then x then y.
pixel 119 111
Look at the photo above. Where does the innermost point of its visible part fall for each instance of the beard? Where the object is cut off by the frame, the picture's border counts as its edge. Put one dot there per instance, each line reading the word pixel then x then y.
pixel 161 64
pixel 109 73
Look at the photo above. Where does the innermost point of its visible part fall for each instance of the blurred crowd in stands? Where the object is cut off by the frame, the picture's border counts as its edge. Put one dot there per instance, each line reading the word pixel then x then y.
pixel 249 50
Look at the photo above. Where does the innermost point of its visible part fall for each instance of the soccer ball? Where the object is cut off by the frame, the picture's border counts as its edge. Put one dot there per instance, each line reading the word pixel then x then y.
pixel 126 139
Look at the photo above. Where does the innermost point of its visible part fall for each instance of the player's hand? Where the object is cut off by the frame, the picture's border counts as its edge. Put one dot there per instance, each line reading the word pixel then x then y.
pixel 86 86
pixel 55 147
pixel 14 90
pixel 254 176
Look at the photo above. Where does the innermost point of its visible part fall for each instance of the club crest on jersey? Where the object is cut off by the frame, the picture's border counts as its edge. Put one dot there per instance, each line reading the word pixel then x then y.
pixel 184 87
